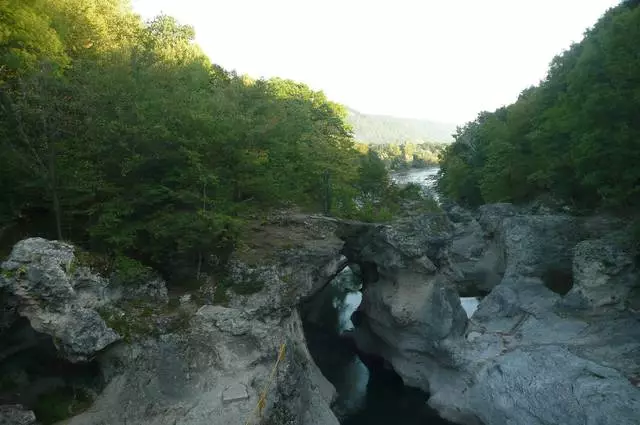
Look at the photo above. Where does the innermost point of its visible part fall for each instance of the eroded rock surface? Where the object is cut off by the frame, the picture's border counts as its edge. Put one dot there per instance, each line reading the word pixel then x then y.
pixel 213 368
pixel 38 280
pixel 556 340
pixel 213 371
pixel 15 414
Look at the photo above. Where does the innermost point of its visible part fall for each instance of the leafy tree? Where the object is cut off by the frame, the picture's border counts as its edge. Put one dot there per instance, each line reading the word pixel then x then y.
pixel 121 136
pixel 575 137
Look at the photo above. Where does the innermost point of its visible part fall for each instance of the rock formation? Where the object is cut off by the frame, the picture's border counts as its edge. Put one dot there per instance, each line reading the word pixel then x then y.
pixel 556 341
pixel 193 364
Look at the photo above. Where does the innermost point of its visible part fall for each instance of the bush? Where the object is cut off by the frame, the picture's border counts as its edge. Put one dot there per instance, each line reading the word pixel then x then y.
pixel 128 271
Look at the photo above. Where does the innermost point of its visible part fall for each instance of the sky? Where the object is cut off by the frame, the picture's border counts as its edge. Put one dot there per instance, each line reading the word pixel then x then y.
pixel 442 60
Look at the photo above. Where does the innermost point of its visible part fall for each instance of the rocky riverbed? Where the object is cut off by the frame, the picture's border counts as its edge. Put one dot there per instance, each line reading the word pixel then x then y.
pixel 555 338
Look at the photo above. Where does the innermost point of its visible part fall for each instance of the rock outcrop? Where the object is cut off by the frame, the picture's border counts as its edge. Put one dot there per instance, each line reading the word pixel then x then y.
pixel 214 368
pixel 555 341
pixel 193 363
pixel 14 414
pixel 213 371
pixel 41 284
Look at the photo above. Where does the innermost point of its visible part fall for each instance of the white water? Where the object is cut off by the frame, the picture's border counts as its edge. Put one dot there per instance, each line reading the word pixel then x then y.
pixel 470 304
pixel 425 177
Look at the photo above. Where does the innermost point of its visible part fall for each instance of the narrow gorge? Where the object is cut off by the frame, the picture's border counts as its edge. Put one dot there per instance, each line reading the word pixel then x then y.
pixel 554 340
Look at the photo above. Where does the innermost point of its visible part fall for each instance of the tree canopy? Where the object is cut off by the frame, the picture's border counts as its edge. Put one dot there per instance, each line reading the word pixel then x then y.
pixel 575 137
pixel 122 136
pixel 382 129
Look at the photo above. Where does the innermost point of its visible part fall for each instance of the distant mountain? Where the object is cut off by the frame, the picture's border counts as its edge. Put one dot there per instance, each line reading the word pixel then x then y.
pixel 377 129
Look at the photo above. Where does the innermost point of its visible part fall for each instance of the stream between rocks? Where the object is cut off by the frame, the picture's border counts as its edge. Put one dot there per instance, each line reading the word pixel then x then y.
pixel 368 394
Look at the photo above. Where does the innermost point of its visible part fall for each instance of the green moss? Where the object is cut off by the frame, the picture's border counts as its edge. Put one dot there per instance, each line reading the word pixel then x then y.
pixel 133 319
pixel 8 274
pixel 61 404
pixel 180 321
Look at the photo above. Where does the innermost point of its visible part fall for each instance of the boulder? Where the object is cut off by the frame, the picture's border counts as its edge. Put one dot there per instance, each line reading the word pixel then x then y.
pixel 604 273
pixel 527 356
pixel 38 277
pixel 539 246
pixel 547 384
pixel 15 414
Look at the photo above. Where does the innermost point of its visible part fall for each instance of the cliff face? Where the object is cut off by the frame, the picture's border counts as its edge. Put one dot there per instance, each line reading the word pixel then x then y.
pixel 555 341
pixel 154 362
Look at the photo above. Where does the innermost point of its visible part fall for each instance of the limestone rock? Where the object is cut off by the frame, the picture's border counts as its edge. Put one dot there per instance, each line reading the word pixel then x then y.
pixel 604 273
pixel 14 414
pixel 539 246
pixel 37 276
pixel 527 356
pixel 213 371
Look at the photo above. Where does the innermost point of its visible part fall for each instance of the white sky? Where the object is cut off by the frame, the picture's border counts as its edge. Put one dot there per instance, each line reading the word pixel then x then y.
pixel 443 60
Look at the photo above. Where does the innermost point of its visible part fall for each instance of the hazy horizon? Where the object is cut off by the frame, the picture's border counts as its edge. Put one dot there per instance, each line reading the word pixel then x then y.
pixel 441 61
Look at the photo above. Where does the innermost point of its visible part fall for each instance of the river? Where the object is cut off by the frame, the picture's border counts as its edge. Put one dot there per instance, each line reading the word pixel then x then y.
pixel 366 395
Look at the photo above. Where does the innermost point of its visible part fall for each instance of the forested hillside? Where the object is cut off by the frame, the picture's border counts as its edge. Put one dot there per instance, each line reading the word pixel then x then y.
pixel 381 129
pixel 574 138
pixel 122 136
pixel 408 155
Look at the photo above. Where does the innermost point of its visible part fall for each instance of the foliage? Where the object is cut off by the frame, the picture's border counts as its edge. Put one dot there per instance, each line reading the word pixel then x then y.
pixel 380 129
pixel 60 404
pixel 574 138
pixel 128 271
pixel 409 155
pixel 122 137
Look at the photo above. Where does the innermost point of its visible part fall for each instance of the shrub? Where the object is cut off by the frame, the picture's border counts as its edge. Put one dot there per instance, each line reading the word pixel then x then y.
pixel 128 271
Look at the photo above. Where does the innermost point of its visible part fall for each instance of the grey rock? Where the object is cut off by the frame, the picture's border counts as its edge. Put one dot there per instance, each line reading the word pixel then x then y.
pixel 536 246
pixel 213 372
pixel 604 273
pixel 235 392
pixel 527 356
pixel 155 289
pixel 15 414
pixel 37 275
pixel 491 216
pixel 550 385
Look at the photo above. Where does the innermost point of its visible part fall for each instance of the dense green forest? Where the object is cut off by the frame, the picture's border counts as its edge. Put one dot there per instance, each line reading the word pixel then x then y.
pixel 381 129
pixel 122 136
pixel 575 138
pixel 406 155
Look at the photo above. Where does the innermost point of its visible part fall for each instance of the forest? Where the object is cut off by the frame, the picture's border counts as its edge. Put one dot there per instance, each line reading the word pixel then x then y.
pixel 382 129
pixel 573 139
pixel 406 155
pixel 123 137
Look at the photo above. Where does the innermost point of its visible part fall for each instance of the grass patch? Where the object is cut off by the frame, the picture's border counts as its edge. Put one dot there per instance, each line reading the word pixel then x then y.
pixel 133 319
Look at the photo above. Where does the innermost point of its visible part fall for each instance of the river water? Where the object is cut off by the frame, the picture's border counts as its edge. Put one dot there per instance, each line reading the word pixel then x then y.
pixel 366 395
